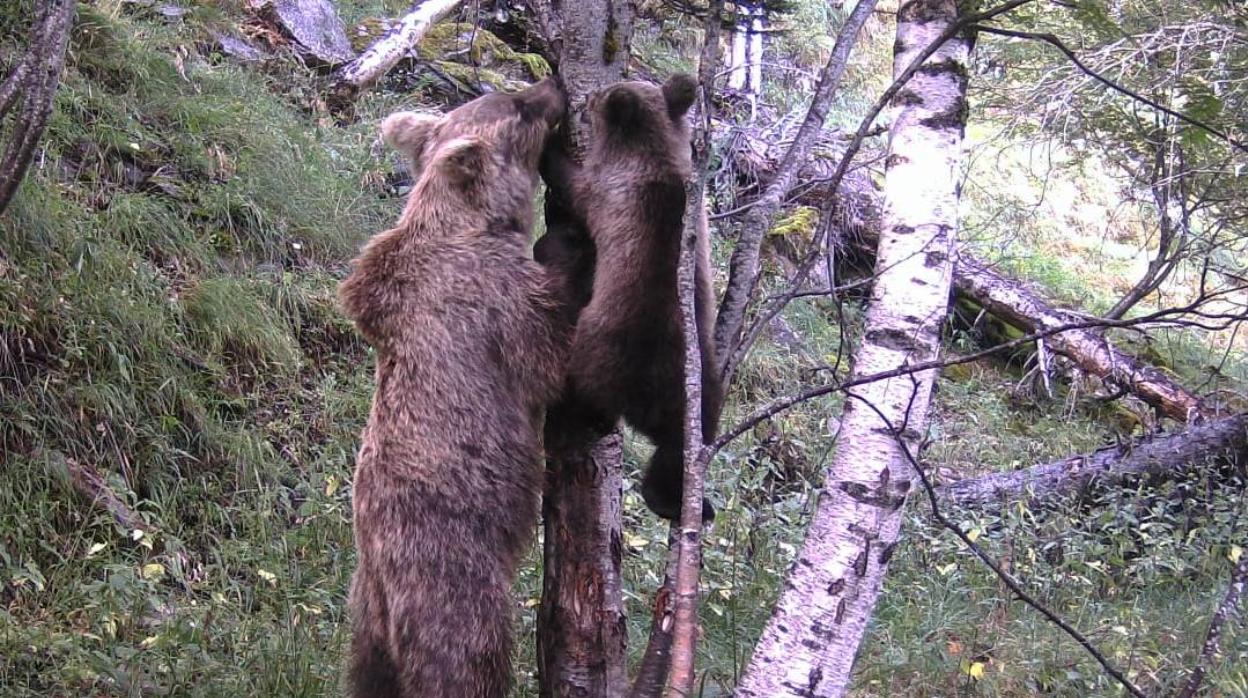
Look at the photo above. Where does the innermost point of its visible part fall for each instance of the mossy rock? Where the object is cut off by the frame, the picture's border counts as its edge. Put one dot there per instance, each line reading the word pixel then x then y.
pixel 958 373
pixel 470 76
pixel 367 32
pixel 451 42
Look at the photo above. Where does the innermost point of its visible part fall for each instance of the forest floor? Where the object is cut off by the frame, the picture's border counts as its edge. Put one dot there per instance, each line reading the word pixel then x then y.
pixel 168 319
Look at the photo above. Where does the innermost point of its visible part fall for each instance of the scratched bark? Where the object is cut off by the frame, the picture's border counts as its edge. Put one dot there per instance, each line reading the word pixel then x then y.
pixel 581 634
pixel 808 647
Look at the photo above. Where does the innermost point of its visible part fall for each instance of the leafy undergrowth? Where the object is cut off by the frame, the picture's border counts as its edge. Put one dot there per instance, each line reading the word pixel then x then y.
pixel 167 317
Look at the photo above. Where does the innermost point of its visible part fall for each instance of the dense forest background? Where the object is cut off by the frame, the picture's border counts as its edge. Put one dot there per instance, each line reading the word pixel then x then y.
pixel 170 346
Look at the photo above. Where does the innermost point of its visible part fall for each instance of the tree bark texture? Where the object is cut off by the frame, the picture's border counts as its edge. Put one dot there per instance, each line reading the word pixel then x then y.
pixel 656 661
pixel 1168 453
pixel 379 58
pixel 858 204
pixel 744 267
pixel 32 86
pixel 581 633
pixel 808 646
pixel 689 538
pixel 1236 590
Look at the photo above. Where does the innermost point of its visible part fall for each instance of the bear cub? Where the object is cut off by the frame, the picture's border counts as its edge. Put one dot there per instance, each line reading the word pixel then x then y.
pixel 620 235
pixel 471 343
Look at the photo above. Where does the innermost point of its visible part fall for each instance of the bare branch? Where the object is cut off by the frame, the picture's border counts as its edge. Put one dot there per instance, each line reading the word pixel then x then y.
pixel 1057 43
pixel 696 456
pixel 1228 608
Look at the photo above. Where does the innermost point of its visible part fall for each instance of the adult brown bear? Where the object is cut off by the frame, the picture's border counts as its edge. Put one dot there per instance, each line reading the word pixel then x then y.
pixel 621 236
pixel 471 344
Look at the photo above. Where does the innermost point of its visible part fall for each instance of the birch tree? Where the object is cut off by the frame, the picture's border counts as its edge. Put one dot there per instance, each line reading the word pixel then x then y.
pixel 808 647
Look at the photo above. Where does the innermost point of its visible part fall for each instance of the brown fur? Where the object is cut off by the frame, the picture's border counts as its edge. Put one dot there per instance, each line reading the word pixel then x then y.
pixel 470 348
pixel 627 354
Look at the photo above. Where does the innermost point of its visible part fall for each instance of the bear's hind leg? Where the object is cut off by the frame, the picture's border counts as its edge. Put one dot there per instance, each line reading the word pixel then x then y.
pixel 371 672
pixel 664 483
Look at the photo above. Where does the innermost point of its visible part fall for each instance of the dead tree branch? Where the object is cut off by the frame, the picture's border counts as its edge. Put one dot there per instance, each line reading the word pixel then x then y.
pixel 1190 315
pixel 1018 306
pixel 744 267
pixel 1168 453
pixel 1228 608
pixel 689 539
pixel 397 43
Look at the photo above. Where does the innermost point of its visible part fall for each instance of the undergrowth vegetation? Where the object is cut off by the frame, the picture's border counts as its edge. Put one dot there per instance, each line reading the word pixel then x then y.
pixel 168 319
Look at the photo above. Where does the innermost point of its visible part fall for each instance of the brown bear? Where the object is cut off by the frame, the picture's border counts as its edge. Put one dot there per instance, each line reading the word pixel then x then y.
pixel 621 233
pixel 471 345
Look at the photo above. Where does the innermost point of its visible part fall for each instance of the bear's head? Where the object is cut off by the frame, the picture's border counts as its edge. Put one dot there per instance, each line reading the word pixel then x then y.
pixel 640 114
pixel 484 153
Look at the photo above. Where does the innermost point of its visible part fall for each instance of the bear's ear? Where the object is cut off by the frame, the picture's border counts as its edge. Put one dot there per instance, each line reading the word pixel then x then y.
pixel 679 92
pixel 622 107
pixel 543 101
pixel 408 132
pixel 462 161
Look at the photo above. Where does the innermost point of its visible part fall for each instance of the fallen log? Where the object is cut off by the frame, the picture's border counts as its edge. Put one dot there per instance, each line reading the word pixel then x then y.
pixel 1014 303
pixel 90 485
pixel 858 205
pixel 1163 454
pixel 391 48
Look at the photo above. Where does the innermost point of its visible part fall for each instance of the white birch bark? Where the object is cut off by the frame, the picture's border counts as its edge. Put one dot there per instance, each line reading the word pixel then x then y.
pixel 754 54
pixel 809 645
pixel 736 59
pixel 391 48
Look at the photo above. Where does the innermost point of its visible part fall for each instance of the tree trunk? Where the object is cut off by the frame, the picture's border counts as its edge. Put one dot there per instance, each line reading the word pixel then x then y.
pixel 580 627
pixel 32 85
pixel 581 634
pixel 1165 454
pixel 656 661
pixel 1236 591
pixel 808 647
pixel 696 455
pixel 379 58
